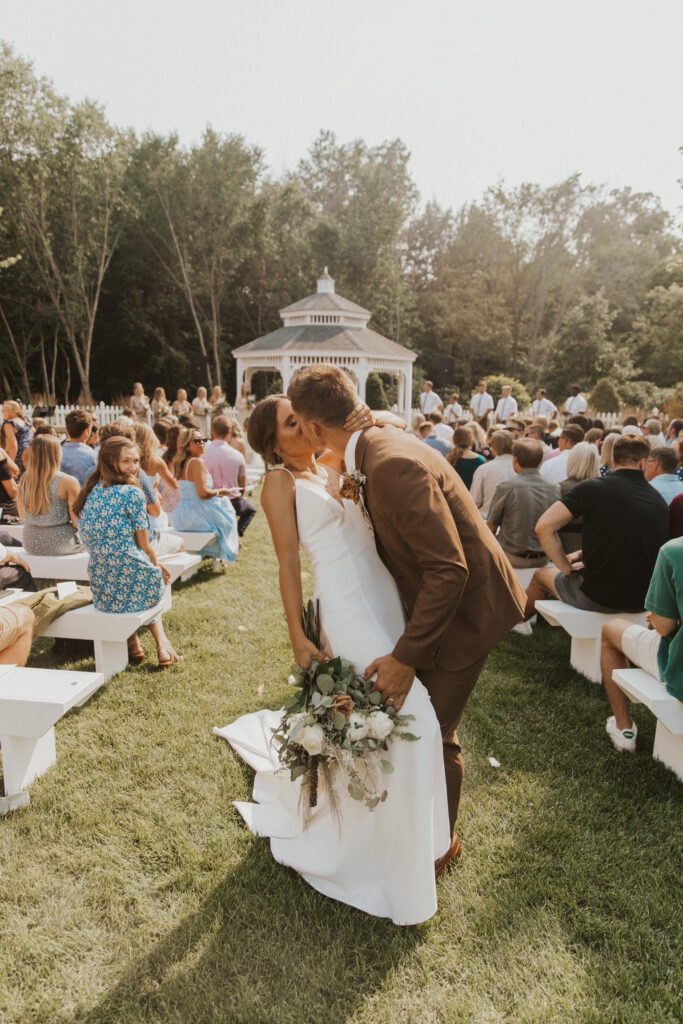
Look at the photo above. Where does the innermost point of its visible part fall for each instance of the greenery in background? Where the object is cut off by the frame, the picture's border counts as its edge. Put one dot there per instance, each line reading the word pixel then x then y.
pixel 604 397
pixel 142 258
pixel 494 386
pixel 375 395
pixel 133 893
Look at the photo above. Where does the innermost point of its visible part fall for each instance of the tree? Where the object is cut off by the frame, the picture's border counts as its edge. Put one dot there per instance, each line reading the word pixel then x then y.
pixel 375 395
pixel 604 397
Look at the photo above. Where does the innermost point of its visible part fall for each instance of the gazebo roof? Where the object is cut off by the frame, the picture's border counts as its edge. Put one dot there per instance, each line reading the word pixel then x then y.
pixel 330 338
pixel 325 302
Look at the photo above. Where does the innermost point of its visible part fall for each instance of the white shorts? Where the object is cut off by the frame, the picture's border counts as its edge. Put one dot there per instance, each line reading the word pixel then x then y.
pixel 640 645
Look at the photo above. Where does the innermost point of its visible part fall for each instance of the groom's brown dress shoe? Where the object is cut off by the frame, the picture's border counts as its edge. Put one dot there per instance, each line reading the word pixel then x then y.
pixel 452 853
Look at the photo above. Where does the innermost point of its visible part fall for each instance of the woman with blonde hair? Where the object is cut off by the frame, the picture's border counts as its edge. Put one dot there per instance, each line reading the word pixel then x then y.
pixel 235 437
pixel 160 404
pixel 583 464
pixel 16 431
pixel 46 501
pixel 201 412
pixel 152 468
pixel 181 406
pixel 608 441
pixel 203 508
pixel 464 461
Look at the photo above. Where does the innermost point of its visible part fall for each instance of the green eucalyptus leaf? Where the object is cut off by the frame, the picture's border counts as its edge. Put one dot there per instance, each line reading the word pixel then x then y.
pixel 339 721
pixel 325 683
pixel 356 791
pixel 387 767
pixel 375 697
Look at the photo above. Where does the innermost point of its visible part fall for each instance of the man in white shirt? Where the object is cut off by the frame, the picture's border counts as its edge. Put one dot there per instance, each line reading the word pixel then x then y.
pixel 487 477
pixel 555 468
pixel 542 406
pixel 507 406
pixel 429 400
pixel 576 404
pixel 481 404
pixel 441 429
pixel 453 410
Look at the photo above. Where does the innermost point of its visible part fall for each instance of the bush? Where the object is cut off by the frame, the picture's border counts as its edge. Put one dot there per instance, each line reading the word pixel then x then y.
pixel 375 395
pixel 604 397
pixel 674 406
pixel 494 386
pixel 644 394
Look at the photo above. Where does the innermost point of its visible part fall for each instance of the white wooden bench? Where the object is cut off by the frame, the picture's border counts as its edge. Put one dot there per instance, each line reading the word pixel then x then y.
pixel 15 530
pixel 584 628
pixel 32 700
pixel 181 566
pixel 194 542
pixel 642 688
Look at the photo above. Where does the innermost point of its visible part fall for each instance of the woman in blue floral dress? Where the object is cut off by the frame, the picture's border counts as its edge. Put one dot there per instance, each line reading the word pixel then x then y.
pixel 123 570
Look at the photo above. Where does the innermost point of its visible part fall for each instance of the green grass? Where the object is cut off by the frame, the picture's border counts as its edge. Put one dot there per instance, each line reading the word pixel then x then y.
pixel 132 894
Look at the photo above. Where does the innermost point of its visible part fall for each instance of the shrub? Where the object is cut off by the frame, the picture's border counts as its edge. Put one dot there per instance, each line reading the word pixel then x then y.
pixel 604 397
pixel 644 394
pixel 375 395
pixel 674 405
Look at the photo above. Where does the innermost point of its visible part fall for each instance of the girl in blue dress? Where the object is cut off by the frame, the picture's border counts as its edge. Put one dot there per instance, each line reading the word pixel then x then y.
pixel 122 568
pixel 203 508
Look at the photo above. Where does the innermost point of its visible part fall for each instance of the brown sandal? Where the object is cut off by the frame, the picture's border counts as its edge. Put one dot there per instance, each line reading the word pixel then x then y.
pixel 136 655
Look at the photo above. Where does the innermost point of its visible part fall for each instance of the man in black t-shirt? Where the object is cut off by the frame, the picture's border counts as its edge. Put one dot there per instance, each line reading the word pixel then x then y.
pixel 625 522
pixel 8 487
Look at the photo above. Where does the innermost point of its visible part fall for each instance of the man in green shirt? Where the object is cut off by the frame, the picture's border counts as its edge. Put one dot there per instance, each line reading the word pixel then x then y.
pixel 657 648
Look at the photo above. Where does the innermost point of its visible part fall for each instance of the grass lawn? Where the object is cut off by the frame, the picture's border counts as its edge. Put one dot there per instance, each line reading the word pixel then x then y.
pixel 131 892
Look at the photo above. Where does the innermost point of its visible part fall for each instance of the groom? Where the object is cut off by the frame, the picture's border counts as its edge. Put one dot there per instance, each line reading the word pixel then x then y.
pixel 459 590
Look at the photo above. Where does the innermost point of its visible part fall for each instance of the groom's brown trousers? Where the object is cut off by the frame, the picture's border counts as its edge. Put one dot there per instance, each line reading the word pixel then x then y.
pixel 449 692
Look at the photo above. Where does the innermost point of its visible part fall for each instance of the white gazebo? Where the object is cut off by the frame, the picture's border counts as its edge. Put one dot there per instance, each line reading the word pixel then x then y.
pixel 327 328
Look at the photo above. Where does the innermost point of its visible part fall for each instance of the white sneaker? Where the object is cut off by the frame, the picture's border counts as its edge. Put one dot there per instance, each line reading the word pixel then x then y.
pixel 624 740
pixel 523 628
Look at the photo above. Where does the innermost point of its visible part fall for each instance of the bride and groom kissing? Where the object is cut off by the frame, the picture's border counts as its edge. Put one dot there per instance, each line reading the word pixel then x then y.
pixel 414 589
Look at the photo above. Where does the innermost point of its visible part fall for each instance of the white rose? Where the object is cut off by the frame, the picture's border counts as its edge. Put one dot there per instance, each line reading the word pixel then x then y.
pixel 379 725
pixel 291 680
pixel 358 727
pixel 312 739
pixel 295 723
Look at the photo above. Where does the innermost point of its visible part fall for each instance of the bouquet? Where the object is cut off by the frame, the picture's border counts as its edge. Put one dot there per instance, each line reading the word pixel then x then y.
pixel 336 719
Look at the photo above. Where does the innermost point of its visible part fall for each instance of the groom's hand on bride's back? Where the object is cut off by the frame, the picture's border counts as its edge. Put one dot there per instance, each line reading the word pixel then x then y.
pixel 394 679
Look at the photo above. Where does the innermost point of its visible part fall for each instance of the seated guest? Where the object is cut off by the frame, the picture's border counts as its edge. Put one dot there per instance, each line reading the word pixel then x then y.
pixel 676 517
pixel 660 470
pixel 594 435
pixel 657 649
pixel 228 470
pixel 516 428
pixel 441 429
pixel 625 522
pixel 606 464
pixel 555 468
pixel 170 496
pixel 94 439
pixel 673 431
pixel 415 424
pixel 78 458
pixel 153 471
pixel 428 435
pixel 16 630
pixel 464 461
pixel 536 431
pixel 583 464
pixel 236 437
pixel 8 488
pixel 203 508
pixel 46 501
pixel 123 571
pixel 14 574
pixel 519 502
pixel 16 432
pixel 487 478
pixel 652 430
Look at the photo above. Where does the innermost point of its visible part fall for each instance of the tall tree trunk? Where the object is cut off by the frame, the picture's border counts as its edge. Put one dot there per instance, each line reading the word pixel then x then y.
pixel 20 360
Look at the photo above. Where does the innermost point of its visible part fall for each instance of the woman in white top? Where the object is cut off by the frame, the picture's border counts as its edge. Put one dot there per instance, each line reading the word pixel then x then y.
pixel 139 403
pixel 201 412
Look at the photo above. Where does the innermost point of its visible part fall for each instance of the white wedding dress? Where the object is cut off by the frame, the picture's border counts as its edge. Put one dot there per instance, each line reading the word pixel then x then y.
pixel 380 861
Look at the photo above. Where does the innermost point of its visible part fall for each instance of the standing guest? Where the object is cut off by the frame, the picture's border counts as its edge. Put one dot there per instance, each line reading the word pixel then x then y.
pixel 576 404
pixel 139 404
pixel 518 503
pixel 507 407
pixel 243 404
pixel 429 400
pixel 202 507
pixel 217 401
pixel 236 437
pixel 46 501
pixel 462 458
pixel 16 432
pixel 78 458
pixel 201 412
pixel 8 487
pixel 181 406
pixel 542 406
pixel 228 470
pixel 453 410
pixel 481 404
pixel 555 468
pixel 160 404
pixel 441 429
pixel 625 522
pixel 660 469
pixel 657 647
pixel 487 478
pixel 583 464
pixel 429 436
pixel 676 517
pixel 123 570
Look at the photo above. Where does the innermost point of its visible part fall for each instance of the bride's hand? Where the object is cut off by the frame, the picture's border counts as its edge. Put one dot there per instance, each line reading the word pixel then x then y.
pixel 305 652
pixel 359 419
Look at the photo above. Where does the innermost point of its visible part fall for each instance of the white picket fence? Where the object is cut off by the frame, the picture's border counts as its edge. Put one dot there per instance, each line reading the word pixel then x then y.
pixel 101 412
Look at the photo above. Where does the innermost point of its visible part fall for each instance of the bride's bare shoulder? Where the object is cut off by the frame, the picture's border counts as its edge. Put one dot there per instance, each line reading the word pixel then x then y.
pixel 278 486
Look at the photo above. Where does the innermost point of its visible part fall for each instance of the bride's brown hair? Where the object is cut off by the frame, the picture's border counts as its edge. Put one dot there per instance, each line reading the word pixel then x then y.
pixel 262 429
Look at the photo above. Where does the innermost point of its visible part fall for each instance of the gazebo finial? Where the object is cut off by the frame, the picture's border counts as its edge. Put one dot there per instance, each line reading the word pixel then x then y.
pixel 325 284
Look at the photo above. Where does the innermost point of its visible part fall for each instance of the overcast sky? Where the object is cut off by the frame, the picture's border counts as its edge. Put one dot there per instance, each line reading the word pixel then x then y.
pixel 525 90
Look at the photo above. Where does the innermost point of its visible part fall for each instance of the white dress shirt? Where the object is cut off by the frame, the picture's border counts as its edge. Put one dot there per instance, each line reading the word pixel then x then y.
pixel 575 405
pixel 429 402
pixel 487 478
pixel 506 408
pixel 555 469
pixel 481 403
pixel 452 412
pixel 443 431
pixel 350 453
pixel 543 407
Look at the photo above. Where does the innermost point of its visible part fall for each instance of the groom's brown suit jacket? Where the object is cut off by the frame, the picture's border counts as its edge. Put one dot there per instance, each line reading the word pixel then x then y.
pixel 459 589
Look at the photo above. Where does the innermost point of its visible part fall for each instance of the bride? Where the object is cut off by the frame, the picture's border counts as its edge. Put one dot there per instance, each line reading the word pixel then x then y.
pixel 379 861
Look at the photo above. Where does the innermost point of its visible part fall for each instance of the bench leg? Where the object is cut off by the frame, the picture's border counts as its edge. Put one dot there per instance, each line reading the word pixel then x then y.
pixel 24 758
pixel 585 658
pixel 110 657
pixel 669 749
pixel 188 574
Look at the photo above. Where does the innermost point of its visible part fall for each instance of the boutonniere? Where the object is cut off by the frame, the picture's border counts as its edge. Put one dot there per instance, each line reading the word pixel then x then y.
pixel 352 487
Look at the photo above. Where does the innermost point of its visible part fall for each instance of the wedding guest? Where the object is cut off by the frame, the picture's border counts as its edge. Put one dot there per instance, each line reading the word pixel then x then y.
pixel 121 427
pixel 8 488
pixel 487 477
pixel 441 429
pixel 537 432
pixel 228 470
pixel 594 435
pixel 479 437
pixel 16 628
pixel 243 404
pixel 201 412
pixel 657 648
pixel 555 468
pixel 202 507
pixel 14 573
pixel 429 436
pixel 94 437
pixel 583 464
pixel 606 464
pixel 652 430
pixel 453 410
pixel 542 406
pixel 236 437
pixel 507 407
pixel 676 517
pixel 153 469
pixel 123 570
pixel 170 496
pixel 518 503
pixel 160 404
pixel 464 461
pixel 576 404
pixel 181 406
pixel 217 401
pixel 481 404
pixel 16 432
pixel 660 470
pixel 516 428
pixel 46 501
pixel 78 458
pixel 673 431
pixel 161 433
pixel 429 400
pixel 139 403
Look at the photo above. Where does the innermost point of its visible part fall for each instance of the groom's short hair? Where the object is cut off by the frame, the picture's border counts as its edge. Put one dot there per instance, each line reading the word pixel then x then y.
pixel 323 393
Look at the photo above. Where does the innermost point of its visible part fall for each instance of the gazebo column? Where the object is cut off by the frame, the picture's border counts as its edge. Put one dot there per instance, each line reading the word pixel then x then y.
pixel 240 376
pixel 407 392
pixel 286 372
pixel 362 370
